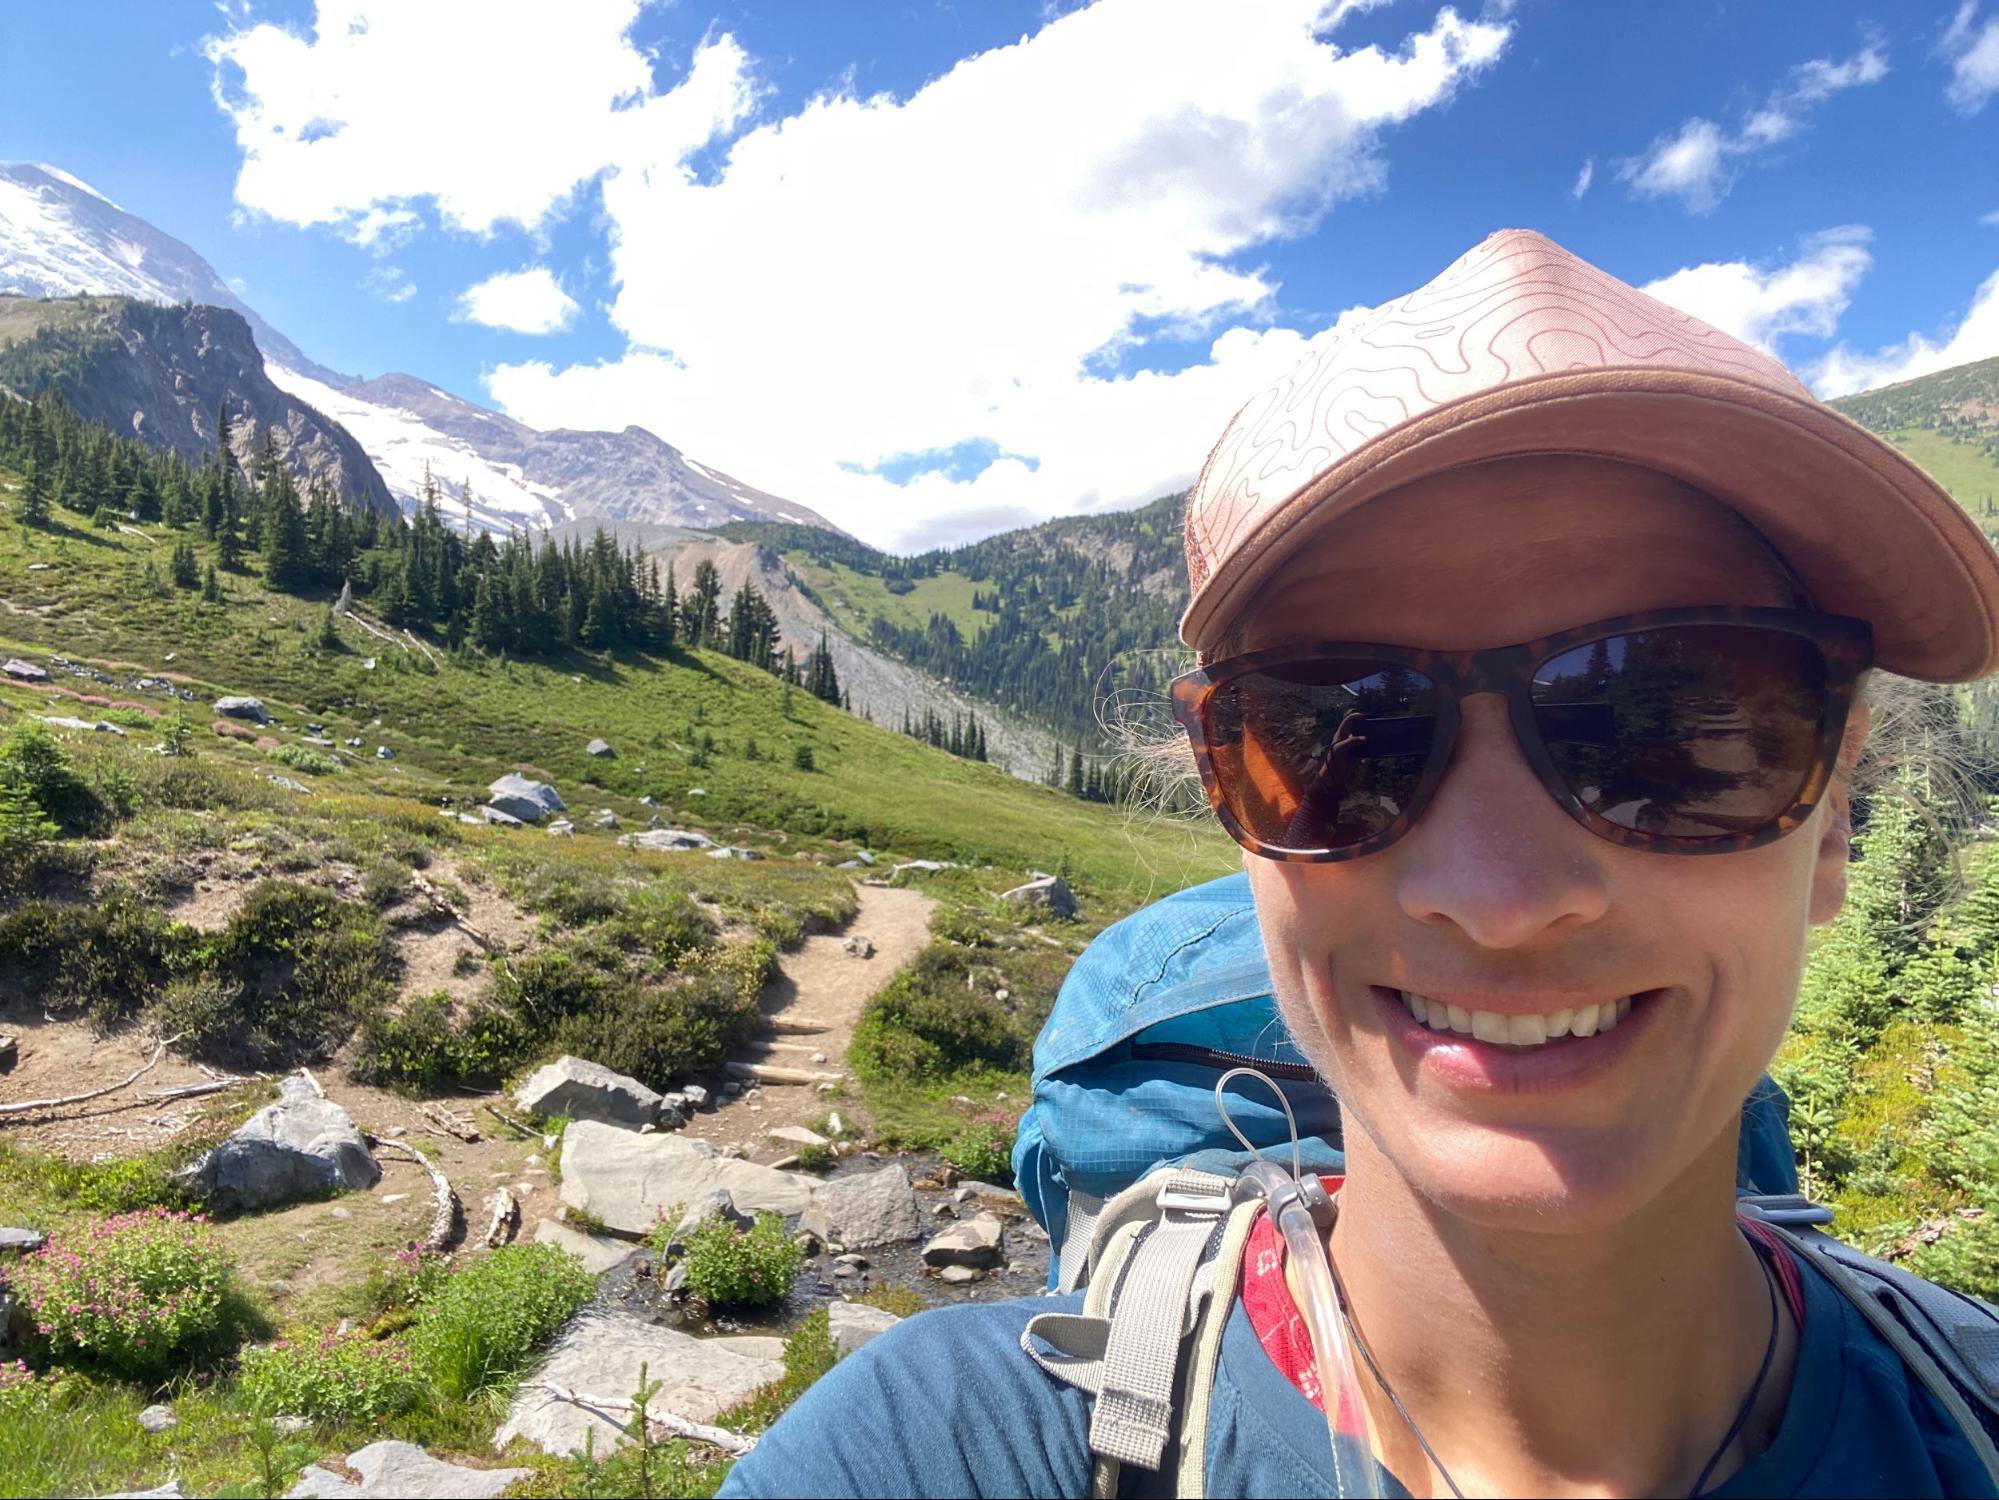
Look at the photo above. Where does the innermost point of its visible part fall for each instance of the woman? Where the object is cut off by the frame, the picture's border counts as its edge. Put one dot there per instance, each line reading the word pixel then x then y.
pixel 1536 913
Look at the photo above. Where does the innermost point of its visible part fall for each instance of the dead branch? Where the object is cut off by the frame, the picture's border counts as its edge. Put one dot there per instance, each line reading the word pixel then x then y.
pixel 444 1217
pixel 547 1141
pixel 449 1123
pixel 26 1106
pixel 663 1423
pixel 196 1090
pixel 506 1216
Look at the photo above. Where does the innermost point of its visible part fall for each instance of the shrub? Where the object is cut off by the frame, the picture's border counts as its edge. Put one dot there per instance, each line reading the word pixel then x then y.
pixel 486 1321
pixel 412 1048
pixel 301 758
pixel 801 758
pixel 333 1378
pixel 984 1148
pixel 925 1023
pixel 731 1267
pixel 31 759
pixel 655 1033
pixel 108 957
pixel 130 1294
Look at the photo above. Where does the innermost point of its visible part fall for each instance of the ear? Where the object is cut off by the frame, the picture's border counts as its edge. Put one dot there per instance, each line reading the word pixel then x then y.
pixel 1836 826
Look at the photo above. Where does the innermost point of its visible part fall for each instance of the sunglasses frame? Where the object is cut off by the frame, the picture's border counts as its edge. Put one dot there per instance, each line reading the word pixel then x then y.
pixel 1846 644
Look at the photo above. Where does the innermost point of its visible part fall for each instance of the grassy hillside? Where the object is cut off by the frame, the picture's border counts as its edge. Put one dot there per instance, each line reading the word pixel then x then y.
pixel 1947 422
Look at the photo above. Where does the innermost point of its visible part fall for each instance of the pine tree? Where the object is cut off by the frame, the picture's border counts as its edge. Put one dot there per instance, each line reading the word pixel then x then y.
pixel 182 566
pixel 211 586
pixel 1076 772
pixel 32 503
pixel 23 824
pixel 329 633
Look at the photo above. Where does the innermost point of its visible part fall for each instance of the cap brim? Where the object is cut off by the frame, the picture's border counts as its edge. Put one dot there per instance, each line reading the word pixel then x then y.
pixel 1869 533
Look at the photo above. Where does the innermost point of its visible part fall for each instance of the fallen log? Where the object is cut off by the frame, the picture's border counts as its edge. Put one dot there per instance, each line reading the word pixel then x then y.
pixel 26 1106
pixel 505 1211
pixel 449 1123
pixel 765 1073
pixel 663 1424
pixel 444 1216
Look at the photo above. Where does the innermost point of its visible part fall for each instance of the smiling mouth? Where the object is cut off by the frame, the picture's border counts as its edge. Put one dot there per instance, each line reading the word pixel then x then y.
pixel 1516 1030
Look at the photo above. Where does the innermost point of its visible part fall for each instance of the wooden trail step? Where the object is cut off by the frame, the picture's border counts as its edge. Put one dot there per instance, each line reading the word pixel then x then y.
pixel 800 1049
pixel 796 1025
pixel 765 1073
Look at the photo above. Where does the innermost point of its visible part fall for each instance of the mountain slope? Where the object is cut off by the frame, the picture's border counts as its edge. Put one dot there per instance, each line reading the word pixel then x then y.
pixel 158 373
pixel 1947 422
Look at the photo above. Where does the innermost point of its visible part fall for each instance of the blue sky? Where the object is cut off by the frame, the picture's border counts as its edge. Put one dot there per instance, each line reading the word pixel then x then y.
pixel 937 269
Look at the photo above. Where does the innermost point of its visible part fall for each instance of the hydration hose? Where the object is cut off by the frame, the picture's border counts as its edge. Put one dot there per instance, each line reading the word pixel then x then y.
pixel 1302 1213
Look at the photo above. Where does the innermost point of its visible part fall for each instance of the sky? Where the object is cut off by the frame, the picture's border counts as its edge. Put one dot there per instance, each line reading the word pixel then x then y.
pixel 940 269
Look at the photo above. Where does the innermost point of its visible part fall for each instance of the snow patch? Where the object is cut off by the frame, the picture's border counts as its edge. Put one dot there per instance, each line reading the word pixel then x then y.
pixel 74 181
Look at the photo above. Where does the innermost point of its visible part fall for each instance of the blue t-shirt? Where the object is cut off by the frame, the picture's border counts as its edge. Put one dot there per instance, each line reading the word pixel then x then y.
pixel 947 1404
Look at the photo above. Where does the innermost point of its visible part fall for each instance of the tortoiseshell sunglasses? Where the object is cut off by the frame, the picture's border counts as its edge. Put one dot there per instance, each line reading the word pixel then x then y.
pixel 1679 731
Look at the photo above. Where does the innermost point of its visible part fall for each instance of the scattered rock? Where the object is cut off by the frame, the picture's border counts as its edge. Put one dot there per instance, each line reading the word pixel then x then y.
pixel 383 752
pixel 960 1275
pixel 1049 893
pixel 500 819
pixel 797 1135
pixel 601 1352
pixel 867 1209
pixel 599 748
pixel 862 857
pixel 562 828
pixel 21 1241
pixel 848 864
pixel 605 818
pixel 928 866
pixel 835 1125
pixel 287 784
pixel 859 947
pixel 858 1262
pixel 242 706
pixel 697 791
pixel 732 852
pixel 527 799
pixel 158 1417
pixel 403 1470
pixel 944 1210
pixel 969 1242
pixel 667 839
pixel 171 1490
pixel 584 1090
pixel 696 1095
pixel 353 742
pixel 852 1324
pixel 24 671
pixel 626 1180
pixel 648 800
pixel 715 1204
pixel 301 1145
pixel 599 1253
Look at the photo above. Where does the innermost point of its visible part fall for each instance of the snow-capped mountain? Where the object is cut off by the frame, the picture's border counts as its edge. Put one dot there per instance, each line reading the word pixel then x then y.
pixel 61 237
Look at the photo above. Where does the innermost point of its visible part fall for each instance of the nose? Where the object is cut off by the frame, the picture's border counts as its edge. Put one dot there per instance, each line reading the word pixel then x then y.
pixel 1492 855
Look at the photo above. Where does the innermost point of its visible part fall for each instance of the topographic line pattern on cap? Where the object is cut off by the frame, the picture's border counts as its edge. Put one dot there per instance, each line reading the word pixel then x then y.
pixel 1515 306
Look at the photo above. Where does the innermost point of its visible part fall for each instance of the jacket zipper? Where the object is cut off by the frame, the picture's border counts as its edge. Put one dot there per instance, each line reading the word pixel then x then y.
pixel 1214 1057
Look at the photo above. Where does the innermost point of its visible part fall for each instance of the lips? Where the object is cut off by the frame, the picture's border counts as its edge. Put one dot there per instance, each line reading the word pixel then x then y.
pixel 1481 1050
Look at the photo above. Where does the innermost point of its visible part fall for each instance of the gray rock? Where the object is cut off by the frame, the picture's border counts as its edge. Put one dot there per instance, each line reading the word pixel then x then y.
pixel 527 799
pixel 21 1241
pixel 584 1090
pixel 242 706
pixel 697 1096
pixel 158 1417
pixel 862 856
pixel 501 819
pixel 797 1135
pixel 849 864
pixel 667 839
pixel 288 784
pixel 395 1469
pixel 969 1242
pixel 852 1324
pixel 383 752
pixel 927 866
pixel 23 671
pixel 562 828
pixel 171 1490
pixel 715 1204
pixel 869 1208
pixel 859 946
pixel 648 800
pixel 353 742
pixel 605 818
pixel 96 726
pixel 301 1145
pixel 1049 893
pixel 734 853
pixel 626 1181
pixel 960 1275
pixel 601 1353
pixel 599 748
pixel 697 791
pixel 599 1253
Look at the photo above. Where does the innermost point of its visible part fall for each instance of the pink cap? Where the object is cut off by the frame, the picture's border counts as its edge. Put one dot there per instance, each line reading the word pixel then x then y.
pixel 1520 347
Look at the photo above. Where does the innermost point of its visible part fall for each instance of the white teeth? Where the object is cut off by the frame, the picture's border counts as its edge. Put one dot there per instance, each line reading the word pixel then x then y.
pixel 1512 1030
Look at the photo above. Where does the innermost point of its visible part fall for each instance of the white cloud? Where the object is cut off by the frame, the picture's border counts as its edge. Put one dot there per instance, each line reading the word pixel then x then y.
pixel 529 300
pixel 878 277
pixel 1974 59
pixel 1584 178
pixel 495 110
pixel 1976 336
pixel 390 283
pixel 1990 220
pixel 1761 305
pixel 1697 163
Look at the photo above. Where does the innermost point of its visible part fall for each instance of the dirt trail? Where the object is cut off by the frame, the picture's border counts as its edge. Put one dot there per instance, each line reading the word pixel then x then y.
pixel 823 982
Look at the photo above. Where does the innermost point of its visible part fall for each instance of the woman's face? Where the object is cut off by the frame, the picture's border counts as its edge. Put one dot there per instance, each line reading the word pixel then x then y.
pixel 1496 900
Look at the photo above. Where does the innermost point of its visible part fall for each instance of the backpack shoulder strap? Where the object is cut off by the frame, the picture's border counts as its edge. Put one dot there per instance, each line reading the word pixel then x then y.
pixel 1156 1301
pixel 1948 1341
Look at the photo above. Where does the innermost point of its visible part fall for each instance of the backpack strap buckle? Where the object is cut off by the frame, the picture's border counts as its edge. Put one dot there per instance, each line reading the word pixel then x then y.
pixel 1788 1209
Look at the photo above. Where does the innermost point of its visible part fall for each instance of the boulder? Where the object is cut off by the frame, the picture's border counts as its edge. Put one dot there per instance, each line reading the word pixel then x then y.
pixel 599 748
pixel 866 1209
pixel 96 726
pixel 23 671
pixel 969 1242
pixel 717 1204
pixel 852 1324
pixel 600 1354
pixel 858 947
pixel 242 706
pixel 733 853
pixel 302 1145
pixel 500 819
pixel 666 839
pixel 626 1181
pixel 403 1470
pixel 527 799
pixel 21 1241
pixel 797 1135
pixel 1048 893
pixel 158 1417
pixel 584 1090
pixel 599 1253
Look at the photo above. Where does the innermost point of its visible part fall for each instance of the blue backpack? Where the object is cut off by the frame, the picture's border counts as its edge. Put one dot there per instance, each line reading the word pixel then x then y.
pixel 1123 1159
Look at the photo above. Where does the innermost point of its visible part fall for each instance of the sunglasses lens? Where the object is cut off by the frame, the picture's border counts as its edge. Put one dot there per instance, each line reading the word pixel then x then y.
pixel 1691 731
pixel 1320 754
